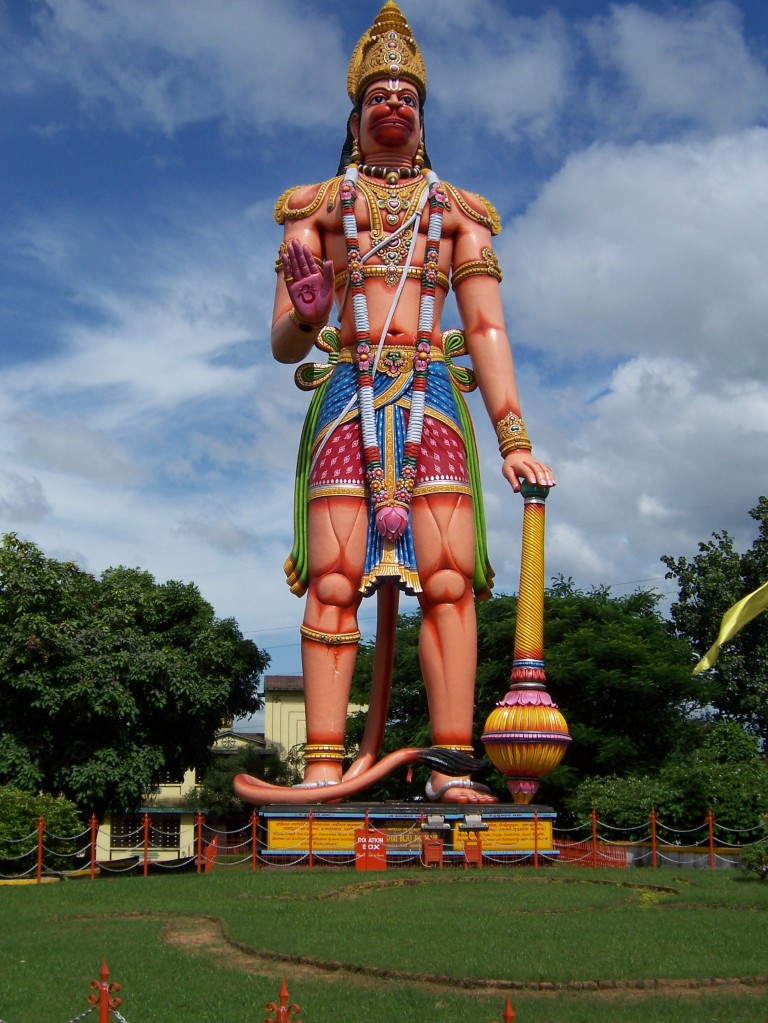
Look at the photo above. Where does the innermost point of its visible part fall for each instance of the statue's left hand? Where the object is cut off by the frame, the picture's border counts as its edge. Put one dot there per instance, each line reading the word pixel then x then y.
pixel 522 465
pixel 310 289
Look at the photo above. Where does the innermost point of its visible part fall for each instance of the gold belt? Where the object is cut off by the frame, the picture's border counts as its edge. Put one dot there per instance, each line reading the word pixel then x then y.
pixel 394 359
pixel 414 272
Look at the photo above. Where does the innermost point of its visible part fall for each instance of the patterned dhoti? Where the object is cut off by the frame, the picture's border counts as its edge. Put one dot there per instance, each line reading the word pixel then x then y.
pixel 331 462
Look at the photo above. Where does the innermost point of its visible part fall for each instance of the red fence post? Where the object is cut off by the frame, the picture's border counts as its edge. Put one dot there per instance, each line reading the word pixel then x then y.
pixel 653 837
pixel 283 1012
pixel 711 829
pixel 254 837
pixel 594 837
pixel 199 840
pixel 310 839
pixel 145 825
pixel 509 1013
pixel 40 830
pixel 104 994
pixel 536 839
pixel 94 825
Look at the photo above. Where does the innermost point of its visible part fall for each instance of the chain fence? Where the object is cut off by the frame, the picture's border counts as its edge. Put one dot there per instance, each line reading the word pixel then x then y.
pixel 316 839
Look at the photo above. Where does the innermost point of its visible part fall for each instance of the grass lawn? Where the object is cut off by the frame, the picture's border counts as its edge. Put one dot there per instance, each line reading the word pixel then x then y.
pixel 408 945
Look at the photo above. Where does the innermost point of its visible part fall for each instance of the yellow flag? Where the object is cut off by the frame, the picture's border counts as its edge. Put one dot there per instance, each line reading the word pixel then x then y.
pixel 735 618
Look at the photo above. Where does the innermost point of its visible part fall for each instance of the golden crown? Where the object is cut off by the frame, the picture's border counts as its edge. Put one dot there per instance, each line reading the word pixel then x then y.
pixel 386 50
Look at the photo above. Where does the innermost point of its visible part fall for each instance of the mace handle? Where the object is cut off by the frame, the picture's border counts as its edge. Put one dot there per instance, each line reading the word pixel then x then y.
pixel 528 661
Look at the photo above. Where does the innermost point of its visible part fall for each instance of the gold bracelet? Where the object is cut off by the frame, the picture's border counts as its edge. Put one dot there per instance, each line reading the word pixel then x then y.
pixel 304 325
pixel 512 434
pixel 330 638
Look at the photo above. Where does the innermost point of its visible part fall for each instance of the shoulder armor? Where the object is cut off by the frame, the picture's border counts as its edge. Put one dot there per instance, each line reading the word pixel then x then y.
pixel 285 210
pixel 476 208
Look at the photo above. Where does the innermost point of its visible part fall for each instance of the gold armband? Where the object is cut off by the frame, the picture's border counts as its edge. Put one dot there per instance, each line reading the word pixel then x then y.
pixel 488 265
pixel 330 638
pixel 512 434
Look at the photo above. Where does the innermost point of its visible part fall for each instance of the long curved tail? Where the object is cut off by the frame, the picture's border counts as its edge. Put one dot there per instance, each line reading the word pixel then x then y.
pixel 261 793
pixel 387 599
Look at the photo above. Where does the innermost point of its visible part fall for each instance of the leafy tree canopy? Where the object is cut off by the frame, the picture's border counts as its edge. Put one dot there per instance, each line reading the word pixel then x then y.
pixel 716 578
pixel 725 775
pixel 106 683
pixel 620 678
pixel 19 814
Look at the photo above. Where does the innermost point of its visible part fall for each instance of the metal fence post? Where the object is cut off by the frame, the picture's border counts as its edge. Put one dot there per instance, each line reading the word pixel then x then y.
pixel 94 825
pixel 711 829
pixel 509 1013
pixel 104 994
pixel 283 1012
pixel 654 862
pixel 40 830
pixel 199 840
pixel 145 826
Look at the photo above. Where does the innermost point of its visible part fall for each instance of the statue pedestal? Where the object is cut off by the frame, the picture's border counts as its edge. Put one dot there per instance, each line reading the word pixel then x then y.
pixel 327 833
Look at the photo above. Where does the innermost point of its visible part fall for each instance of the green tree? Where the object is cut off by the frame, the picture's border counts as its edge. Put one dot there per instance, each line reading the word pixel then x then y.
pixel 755 860
pixel 621 679
pixel 19 814
pixel 725 775
pixel 618 675
pixel 716 578
pixel 106 683
pixel 620 802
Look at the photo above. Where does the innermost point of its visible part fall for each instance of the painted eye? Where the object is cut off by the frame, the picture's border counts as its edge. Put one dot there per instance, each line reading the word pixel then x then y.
pixel 409 100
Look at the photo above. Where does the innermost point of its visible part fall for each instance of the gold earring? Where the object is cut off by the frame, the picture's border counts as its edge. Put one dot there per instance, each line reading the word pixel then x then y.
pixel 418 160
pixel 356 154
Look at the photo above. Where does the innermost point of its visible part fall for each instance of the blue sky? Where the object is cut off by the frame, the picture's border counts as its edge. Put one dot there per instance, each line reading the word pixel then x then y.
pixel 144 144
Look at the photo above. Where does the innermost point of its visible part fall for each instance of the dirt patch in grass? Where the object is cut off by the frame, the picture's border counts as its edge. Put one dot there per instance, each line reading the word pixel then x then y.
pixel 202 935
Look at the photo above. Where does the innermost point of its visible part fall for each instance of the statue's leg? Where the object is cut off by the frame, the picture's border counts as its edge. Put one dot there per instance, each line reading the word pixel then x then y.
pixel 443 532
pixel 336 544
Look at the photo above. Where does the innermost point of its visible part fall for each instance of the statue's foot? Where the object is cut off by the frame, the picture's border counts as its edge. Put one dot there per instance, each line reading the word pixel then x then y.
pixel 443 789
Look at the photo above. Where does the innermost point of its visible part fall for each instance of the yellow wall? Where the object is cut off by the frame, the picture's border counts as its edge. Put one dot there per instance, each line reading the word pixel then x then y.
pixel 285 721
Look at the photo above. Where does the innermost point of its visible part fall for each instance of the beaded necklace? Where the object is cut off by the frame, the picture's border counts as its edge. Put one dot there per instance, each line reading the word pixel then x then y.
pixel 391 510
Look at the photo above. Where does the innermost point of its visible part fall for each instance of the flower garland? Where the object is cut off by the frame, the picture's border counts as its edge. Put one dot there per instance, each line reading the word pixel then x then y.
pixel 391 510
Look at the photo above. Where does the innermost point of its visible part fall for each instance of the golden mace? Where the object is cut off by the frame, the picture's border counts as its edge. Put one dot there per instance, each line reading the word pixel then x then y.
pixel 525 735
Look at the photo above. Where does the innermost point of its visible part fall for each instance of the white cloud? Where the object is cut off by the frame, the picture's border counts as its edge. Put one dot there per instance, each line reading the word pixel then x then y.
pixel 510 75
pixel 688 65
pixel 166 63
pixel 656 249
pixel 22 497
pixel 69 446
pixel 220 532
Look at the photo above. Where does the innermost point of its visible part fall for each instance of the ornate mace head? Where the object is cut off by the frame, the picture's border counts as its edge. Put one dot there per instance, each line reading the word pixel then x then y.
pixel 386 50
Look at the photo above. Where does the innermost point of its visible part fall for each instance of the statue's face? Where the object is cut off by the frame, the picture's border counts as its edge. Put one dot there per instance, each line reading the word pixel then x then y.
pixel 389 118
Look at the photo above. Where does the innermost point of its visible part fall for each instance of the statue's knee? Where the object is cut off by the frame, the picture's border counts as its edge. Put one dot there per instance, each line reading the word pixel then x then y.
pixel 446 586
pixel 336 590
